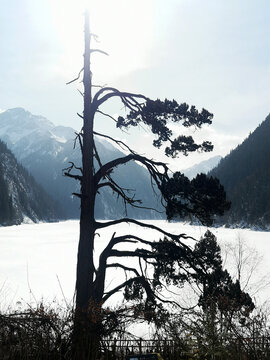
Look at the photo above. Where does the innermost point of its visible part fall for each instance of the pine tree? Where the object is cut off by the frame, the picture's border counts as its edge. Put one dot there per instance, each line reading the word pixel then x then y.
pixel 201 198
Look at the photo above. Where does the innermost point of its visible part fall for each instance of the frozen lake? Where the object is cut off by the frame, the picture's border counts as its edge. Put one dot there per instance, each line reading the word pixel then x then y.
pixel 36 258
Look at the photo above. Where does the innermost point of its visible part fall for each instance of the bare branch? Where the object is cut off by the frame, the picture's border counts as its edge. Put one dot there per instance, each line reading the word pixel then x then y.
pixel 120 192
pixel 125 97
pixel 80 116
pixel 118 189
pixel 108 115
pixel 100 275
pixel 81 92
pixel 126 268
pixel 149 226
pixel 73 166
pixel 99 86
pixel 95 36
pixel 127 200
pixel 76 177
pixel 119 287
pixel 139 253
pixel 97 155
pixel 68 170
pixel 77 78
pixel 106 253
pixel 121 239
pixel 150 164
pixel 99 51
pixel 78 136
pixel 122 145
pixel 128 99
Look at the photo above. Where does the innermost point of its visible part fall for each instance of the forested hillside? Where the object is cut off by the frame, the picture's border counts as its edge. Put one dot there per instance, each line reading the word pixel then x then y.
pixel 21 198
pixel 245 174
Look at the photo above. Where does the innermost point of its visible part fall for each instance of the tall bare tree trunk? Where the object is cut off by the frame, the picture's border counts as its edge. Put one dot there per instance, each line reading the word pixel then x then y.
pixel 85 337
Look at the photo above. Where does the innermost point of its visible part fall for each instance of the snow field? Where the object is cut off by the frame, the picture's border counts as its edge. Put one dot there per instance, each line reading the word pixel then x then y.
pixel 38 261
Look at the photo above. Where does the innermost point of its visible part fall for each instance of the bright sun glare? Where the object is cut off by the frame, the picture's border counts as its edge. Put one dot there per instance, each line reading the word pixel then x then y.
pixel 124 29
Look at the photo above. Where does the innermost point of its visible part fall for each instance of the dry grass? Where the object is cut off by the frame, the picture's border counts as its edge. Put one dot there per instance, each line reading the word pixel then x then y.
pixel 36 333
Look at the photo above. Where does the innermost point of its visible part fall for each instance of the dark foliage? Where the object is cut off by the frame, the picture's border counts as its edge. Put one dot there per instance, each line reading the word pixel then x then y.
pixel 201 197
pixel 173 263
pixel 156 114
pixel 220 292
pixel 40 333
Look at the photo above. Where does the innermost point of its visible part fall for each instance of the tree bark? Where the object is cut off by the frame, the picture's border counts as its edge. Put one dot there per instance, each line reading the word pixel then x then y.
pixel 88 310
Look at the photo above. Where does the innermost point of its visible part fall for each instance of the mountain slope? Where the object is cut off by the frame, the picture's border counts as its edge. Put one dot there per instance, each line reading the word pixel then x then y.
pixel 245 174
pixel 202 167
pixel 45 150
pixel 21 198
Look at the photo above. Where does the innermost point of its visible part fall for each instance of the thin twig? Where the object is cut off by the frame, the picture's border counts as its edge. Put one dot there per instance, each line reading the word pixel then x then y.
pixel 77 78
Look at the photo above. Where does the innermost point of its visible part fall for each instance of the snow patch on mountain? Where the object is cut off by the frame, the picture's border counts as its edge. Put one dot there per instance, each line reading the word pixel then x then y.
pixel 58 139
pixel 46 150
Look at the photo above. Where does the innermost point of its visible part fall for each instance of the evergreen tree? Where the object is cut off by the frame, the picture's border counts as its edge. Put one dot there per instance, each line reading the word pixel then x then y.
pixel 225 307
pixel 201 198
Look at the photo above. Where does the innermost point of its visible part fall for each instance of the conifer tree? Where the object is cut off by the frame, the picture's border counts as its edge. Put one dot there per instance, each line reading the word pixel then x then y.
pixel 201 198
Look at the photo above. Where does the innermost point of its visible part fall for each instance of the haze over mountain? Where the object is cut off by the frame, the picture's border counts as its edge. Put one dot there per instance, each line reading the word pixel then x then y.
pixel 21 198
pixel 45 150
pixel 245 174
pixel 202 167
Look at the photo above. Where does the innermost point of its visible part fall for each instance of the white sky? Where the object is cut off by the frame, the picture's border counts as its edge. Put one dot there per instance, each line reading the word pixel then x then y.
pixel 213 54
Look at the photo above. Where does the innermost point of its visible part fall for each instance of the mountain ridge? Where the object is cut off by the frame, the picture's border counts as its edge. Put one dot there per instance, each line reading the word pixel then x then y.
pixel 202 167
pixel 245 174
pixel 45 150
pixel 22 199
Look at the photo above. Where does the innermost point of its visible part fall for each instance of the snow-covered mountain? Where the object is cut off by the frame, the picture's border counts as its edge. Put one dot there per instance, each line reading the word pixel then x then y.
pixel 21 198
pixel 45 150
pixel 202 167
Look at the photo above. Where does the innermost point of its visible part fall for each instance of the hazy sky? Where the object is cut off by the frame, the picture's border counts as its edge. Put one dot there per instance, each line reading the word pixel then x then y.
pixel 210 53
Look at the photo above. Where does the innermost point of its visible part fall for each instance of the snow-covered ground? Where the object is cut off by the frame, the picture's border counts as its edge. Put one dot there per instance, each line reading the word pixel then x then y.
pixel 39 260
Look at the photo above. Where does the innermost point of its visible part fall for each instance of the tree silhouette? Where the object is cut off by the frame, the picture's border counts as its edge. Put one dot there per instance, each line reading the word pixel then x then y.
pixel 225 307
pixel 221 318
pixel 202 198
